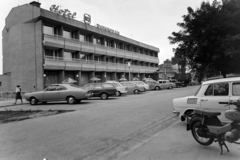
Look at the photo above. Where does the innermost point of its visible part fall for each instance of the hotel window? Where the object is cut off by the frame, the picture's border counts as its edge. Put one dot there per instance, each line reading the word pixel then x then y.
pixel 48 30
pixel 68 56
pixel 67 34
pixel 82 37
pixel 94 41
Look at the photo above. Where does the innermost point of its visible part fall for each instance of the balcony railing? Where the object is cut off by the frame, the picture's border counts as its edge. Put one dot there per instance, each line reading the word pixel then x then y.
pixel 75 44
pixel 61 63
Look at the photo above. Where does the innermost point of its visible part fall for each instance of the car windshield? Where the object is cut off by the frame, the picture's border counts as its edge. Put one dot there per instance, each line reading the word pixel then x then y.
pixel 197 91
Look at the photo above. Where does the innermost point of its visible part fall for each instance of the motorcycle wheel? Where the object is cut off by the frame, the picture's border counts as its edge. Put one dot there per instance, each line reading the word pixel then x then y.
pixel 201 140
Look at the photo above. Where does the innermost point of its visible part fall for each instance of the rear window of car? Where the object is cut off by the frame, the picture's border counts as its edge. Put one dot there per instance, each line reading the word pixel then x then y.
pixel 106 85
pixel 236 89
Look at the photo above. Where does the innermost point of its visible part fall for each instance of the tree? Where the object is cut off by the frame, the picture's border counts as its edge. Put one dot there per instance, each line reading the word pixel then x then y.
pixel 209 39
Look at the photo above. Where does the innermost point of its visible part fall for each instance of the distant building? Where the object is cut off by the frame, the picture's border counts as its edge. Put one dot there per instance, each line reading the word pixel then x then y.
pixel 167 70
pixel 42 47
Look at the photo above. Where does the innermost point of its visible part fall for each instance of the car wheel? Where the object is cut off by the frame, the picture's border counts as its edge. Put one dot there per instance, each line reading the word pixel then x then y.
pixel 33 101
pixel 170 87
pixel 118 93
pixel 136 91
pixel 157 88
pixel 71 100
pixel 104 96
pixel 145 90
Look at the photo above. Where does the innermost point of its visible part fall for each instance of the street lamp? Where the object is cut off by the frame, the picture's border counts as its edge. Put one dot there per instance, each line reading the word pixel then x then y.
pixel 129 65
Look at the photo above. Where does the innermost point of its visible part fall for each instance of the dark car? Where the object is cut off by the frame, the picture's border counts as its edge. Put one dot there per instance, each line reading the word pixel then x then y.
pixel 102 90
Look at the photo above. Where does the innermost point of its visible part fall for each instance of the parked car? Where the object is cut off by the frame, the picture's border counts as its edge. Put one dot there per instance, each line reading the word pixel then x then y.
pixel 102 90
pixel 141 83
pixel 58 92
pixel 153 85
pixel 177 83
pixel 132 87
pixel 166 84
pixel 208 96
pixel 120 89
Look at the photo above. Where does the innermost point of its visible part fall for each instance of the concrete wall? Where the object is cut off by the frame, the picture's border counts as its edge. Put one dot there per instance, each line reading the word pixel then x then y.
pixel 22 52
pixel 5 81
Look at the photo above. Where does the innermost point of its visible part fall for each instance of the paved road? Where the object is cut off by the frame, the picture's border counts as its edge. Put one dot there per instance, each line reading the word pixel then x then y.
pixel 97 128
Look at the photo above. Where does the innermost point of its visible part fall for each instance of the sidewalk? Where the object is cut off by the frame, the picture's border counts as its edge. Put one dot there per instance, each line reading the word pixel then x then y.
pixel 176 143
pixel 10 102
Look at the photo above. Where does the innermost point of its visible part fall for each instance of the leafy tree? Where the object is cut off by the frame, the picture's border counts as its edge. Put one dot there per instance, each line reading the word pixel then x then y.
pixel 209 39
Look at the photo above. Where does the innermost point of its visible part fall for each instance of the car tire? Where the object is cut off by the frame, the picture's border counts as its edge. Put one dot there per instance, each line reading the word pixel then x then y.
pixel 136 91
pixel 157 88
pixel 145 90
pixel 170 87
pixel 71 100
pixel 33 101
pixel 104 96
pixel 118 94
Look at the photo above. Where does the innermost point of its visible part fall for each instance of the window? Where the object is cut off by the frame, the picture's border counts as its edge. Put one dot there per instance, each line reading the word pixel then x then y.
pixel 236 89
pixel 0 83
pixel 48 30
pixel 220 89
pixel 51 88
pixel 68 56
pixel 82 38
pixel 107 85
pixel 67 34
pixel 60 88
pixel 98 86
pixel 88 86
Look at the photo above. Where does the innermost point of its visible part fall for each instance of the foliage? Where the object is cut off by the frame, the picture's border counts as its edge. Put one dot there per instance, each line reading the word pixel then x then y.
pixel 209 39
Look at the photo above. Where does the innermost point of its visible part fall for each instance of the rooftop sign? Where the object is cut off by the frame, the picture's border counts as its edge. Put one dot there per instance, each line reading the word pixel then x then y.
pixel 64 12
pixel 107 29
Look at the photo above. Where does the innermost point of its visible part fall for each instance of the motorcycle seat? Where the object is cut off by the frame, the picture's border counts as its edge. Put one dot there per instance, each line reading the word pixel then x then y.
pixel 207 112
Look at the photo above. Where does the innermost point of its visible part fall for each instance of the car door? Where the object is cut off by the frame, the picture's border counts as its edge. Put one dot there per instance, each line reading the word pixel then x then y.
pixel 215 93
pixel 97 90
pixel 235 93
pixel 50 93
pixel 63 92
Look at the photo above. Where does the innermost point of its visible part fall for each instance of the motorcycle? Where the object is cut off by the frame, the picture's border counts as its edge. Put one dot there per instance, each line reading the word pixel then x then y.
pixel 206 128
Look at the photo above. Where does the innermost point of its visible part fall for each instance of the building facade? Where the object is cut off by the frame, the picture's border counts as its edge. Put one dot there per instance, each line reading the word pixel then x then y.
pixel 42 47
pixel 167 70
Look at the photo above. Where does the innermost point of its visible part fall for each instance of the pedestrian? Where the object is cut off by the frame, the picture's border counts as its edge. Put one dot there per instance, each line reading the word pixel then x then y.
pixel 18 94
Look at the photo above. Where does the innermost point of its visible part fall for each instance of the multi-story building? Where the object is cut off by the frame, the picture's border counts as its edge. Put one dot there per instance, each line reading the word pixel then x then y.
pixel 41 47
pixel 167 70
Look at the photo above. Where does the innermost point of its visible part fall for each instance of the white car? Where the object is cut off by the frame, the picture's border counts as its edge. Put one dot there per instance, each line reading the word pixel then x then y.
pixel 120 88
pixel 208 96
pixel 166 84
pixel 141 83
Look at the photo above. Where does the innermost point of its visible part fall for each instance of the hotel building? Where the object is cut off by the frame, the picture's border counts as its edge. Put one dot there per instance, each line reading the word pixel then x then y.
pixel 42 47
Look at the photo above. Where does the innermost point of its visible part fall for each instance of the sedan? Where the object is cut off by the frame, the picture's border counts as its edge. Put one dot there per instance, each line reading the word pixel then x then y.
pixel 132 87
pixel 141 83
pixel 102 90
pixel 58 92
pixel 153 85
pixel 120 89
pixel 209 97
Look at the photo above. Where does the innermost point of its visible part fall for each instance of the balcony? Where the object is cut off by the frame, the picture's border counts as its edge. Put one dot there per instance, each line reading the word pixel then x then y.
pixel 76 45
pixel 60 63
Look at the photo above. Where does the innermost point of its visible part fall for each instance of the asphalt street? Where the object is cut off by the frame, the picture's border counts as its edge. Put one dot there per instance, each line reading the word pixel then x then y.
pixel 102 129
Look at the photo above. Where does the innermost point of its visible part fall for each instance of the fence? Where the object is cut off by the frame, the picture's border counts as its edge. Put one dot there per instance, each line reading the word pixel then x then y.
pixel 9 95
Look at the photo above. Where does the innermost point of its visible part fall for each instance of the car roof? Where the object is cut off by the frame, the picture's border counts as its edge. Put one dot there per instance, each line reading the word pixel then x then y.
pixel 221 80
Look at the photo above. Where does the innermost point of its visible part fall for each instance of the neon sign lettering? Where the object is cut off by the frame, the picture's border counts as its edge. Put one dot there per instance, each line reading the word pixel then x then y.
pixel 64 12
pixel 107 29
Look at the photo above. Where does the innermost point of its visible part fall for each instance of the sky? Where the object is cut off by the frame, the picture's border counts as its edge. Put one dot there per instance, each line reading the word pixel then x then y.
pixel 147 21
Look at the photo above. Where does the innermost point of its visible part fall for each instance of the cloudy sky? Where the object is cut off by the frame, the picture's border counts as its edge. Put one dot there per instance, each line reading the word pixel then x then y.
pixel 147 21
